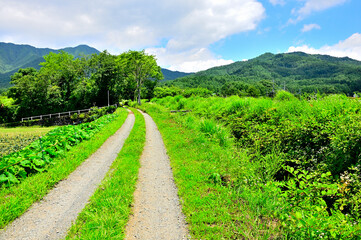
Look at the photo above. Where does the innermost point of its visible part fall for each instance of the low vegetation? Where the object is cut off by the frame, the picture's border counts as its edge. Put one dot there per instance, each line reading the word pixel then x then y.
pixel 15 200
pixel 36 156
pixel 293 171
pixel 201 153
pixel 15 139
pixel 107 212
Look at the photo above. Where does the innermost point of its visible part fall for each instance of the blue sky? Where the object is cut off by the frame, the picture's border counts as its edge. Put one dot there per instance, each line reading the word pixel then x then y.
pixel 188 35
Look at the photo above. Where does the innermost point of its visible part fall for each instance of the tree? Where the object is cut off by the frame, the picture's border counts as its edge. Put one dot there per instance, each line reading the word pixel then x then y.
pixel 103 75
pixel 140 67
pixel 29 92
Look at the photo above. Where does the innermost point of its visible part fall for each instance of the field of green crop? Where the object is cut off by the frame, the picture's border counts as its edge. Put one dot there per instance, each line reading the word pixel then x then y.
pixel 27 176
pixel 293 167
pixel 15 139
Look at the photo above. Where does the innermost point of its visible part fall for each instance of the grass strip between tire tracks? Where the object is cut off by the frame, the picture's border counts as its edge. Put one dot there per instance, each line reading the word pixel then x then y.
pixel 201 169
pixel 107 213
pixel 14 201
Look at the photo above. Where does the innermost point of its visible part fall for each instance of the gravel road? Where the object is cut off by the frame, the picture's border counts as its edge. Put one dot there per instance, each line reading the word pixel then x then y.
pixel 52 217
pixel 157 213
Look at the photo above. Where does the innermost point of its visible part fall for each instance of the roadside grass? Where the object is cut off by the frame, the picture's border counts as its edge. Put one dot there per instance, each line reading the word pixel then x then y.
pixel 203 158
pixel 298 164
pixel 15 200
pixel 107 213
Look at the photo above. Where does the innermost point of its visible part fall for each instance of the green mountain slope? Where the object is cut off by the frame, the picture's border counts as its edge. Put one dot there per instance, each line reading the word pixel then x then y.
pixel 296 72
pixel 170 75
pixel 14 56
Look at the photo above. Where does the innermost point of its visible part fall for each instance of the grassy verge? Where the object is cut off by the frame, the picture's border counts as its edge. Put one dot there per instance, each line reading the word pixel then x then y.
pixel 15 200
pixel 106 215
pixel 203 158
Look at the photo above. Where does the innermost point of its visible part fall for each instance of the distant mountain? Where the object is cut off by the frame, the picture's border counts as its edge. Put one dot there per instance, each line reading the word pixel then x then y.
pixel 170 75
pixel 14 56
pixel 297 72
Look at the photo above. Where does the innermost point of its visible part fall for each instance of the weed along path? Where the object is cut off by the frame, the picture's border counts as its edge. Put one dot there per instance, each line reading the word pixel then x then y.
pixel 156 212
pixel 52 216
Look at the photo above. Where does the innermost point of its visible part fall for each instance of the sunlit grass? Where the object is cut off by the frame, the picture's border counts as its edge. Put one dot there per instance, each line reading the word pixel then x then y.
pixel 107 212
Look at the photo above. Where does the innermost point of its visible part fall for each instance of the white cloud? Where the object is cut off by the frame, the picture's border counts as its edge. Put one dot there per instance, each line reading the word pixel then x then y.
pixel 309 27
pixel 193 60
pixel 311 6
pixel 351 47
pixel 179 26
pixel 277 2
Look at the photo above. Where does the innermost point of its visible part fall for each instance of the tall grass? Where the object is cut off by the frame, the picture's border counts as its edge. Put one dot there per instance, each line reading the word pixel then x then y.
pixel 204 160
pixel 303 153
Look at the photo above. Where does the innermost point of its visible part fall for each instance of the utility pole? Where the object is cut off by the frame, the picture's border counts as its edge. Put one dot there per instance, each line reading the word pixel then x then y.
pixel 108 98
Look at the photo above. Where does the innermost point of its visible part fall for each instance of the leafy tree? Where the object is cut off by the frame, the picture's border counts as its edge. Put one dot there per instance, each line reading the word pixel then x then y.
pixel 62 72
pixel 29 92
pixel 103 75
pixel 140 68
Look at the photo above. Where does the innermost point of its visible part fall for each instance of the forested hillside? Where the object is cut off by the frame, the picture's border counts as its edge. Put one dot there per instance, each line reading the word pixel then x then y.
pixel 296 72
pixel 170 75
pixel 13 57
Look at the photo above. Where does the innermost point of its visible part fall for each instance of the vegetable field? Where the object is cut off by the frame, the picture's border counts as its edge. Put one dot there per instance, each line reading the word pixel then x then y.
pixel 40 153
pixel 15 139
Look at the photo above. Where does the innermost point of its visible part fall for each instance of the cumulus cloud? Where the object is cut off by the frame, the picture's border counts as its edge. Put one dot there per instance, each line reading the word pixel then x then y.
pixel 178 26
pixel 311 6
pixel 351 47
pixel 192 60
pixel 309 27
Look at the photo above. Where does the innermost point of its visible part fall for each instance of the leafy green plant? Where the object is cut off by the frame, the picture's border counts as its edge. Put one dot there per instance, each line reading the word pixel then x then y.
pixel 39 154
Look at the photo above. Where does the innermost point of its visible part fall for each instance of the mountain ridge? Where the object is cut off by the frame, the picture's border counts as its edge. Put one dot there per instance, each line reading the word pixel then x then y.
pixel 15 56
pixel 296 72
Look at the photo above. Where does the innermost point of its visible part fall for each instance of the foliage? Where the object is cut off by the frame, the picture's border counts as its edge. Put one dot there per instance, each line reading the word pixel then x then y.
pixel 40 153
pixel 7 109
pixel 65 83
pixel 301 158
pixel 141 68
pixel 161 92
pixel 14 139
pixel 15 200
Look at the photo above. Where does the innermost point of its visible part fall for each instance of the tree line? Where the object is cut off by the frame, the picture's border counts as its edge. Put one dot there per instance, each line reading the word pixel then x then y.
pixel 66 83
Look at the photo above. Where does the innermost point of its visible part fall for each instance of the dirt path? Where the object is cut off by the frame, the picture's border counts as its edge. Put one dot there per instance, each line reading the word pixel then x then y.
pixel 157 213
pixel 52 217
